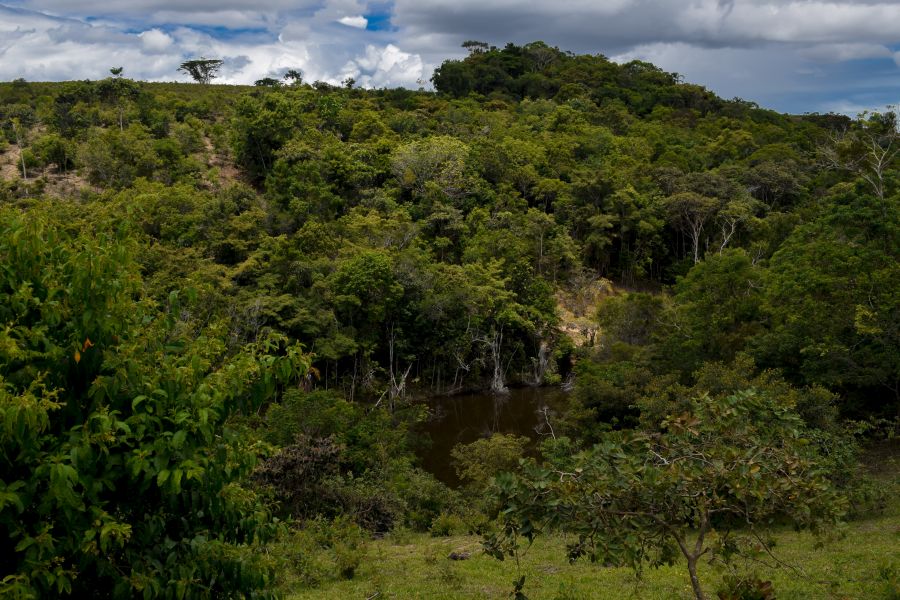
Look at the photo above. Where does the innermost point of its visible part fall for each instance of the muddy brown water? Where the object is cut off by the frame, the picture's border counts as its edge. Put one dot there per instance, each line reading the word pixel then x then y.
pixel 467 417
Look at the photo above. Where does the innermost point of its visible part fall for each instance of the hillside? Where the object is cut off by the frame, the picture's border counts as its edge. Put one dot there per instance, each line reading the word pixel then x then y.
pixel 223 304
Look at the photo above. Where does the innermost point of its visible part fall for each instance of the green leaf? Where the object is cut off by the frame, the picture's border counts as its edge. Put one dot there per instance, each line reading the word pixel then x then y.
pixel 137 402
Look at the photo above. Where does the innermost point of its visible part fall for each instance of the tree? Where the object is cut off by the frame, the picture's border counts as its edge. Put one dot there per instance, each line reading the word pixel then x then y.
pixel 690 212
pixel 832 300
pixel 267 82
pixel 475 47
pixel 717 310
pixel 202 70
pixel 454 77
pixel 725 466
pixel 294 76
pixel 120 476
pixel 116 71
pixel 438 161
pixel 868 150
pixel 540 55
pixel 19 131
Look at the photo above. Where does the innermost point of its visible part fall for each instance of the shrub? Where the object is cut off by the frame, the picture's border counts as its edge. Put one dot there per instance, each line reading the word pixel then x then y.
pixel 341 459
pixel 477 463
pixel 120 475
pixel 445 525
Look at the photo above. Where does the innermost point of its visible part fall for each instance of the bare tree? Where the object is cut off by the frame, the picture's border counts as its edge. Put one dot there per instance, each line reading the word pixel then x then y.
pixel 494 343
pixel 690 212
pixel 867 151
pixel 730 219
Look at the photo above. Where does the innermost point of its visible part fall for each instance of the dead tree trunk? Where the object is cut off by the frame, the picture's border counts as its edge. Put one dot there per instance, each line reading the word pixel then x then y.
pixel 541 363
pixel 498 383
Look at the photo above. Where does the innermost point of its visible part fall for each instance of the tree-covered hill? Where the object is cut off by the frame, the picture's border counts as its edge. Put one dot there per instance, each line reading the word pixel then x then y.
pixel 414 243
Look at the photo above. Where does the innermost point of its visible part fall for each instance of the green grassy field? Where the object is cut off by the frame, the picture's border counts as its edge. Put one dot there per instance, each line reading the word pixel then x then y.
pixel 857 565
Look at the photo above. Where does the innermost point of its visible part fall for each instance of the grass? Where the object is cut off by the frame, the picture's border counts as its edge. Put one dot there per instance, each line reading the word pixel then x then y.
pixel 851 566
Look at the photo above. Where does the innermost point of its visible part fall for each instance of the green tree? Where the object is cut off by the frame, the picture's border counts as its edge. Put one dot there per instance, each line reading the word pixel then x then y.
pixel 717 311
pixel 726 466
pixel 202 70
pixel 294 76
pixel 120 475
pixel 439 161
pixel 832 295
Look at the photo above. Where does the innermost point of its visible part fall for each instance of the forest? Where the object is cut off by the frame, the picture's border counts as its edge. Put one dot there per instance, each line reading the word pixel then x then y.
pixel 225 312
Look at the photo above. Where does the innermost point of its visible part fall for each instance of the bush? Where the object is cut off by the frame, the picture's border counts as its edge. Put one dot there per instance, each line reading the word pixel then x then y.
pixel 119 473
pixel 298 472
pixel 477 463
pixel 445 525
pixel 889 579
pixel 340 459
pixel 735 587
pixel 322 550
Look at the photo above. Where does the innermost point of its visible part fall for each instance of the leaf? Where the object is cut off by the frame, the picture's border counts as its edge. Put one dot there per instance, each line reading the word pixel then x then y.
pixel 176 480
pixel 77 356
pixel 178 438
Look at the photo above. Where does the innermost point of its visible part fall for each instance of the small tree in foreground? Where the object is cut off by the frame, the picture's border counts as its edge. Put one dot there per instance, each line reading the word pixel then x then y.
pixel 202 70
pixel 728 465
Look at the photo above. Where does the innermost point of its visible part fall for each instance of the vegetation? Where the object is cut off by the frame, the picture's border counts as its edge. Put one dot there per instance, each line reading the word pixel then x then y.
pixel 732 463
pixel 223 309
pixel 859 563
pixel 201 70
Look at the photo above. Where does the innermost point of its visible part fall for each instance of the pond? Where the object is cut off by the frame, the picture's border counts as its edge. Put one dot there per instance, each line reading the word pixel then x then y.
pixel 467 417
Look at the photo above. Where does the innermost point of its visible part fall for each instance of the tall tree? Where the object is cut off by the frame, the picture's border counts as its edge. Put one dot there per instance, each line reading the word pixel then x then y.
pixel 202 70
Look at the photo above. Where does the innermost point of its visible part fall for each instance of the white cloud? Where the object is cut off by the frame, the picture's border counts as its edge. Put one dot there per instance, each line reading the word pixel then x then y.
pixel 38 46
pixel 792 54
pixel 388 66
pixel 155 40
pixel 358 22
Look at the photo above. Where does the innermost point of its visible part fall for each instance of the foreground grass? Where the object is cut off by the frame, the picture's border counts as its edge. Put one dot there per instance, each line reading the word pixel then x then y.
pixel 852 566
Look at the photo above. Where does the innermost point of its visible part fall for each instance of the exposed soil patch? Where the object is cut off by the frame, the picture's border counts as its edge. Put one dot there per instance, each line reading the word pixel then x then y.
pixel 10 163
pixel 227 171
pixel 577 306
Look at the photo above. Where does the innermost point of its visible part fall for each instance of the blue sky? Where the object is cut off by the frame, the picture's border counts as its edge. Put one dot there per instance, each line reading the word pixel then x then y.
pixel 790 55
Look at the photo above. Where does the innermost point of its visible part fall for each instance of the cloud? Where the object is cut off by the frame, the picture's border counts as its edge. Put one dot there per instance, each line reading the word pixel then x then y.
pixel 794 55
pixel 324 45
pixel 588 24
pixel 359 22
pixel 388 65
pixel 155 41
pixel 844 52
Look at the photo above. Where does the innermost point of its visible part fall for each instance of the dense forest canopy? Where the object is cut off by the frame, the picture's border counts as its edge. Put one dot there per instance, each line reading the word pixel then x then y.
pixel 542 217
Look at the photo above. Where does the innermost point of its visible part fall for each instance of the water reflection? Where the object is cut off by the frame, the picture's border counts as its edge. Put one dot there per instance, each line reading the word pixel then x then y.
pixel 468 417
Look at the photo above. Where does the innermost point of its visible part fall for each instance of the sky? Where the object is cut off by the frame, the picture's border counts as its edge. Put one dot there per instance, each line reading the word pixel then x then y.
pixel 789 55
